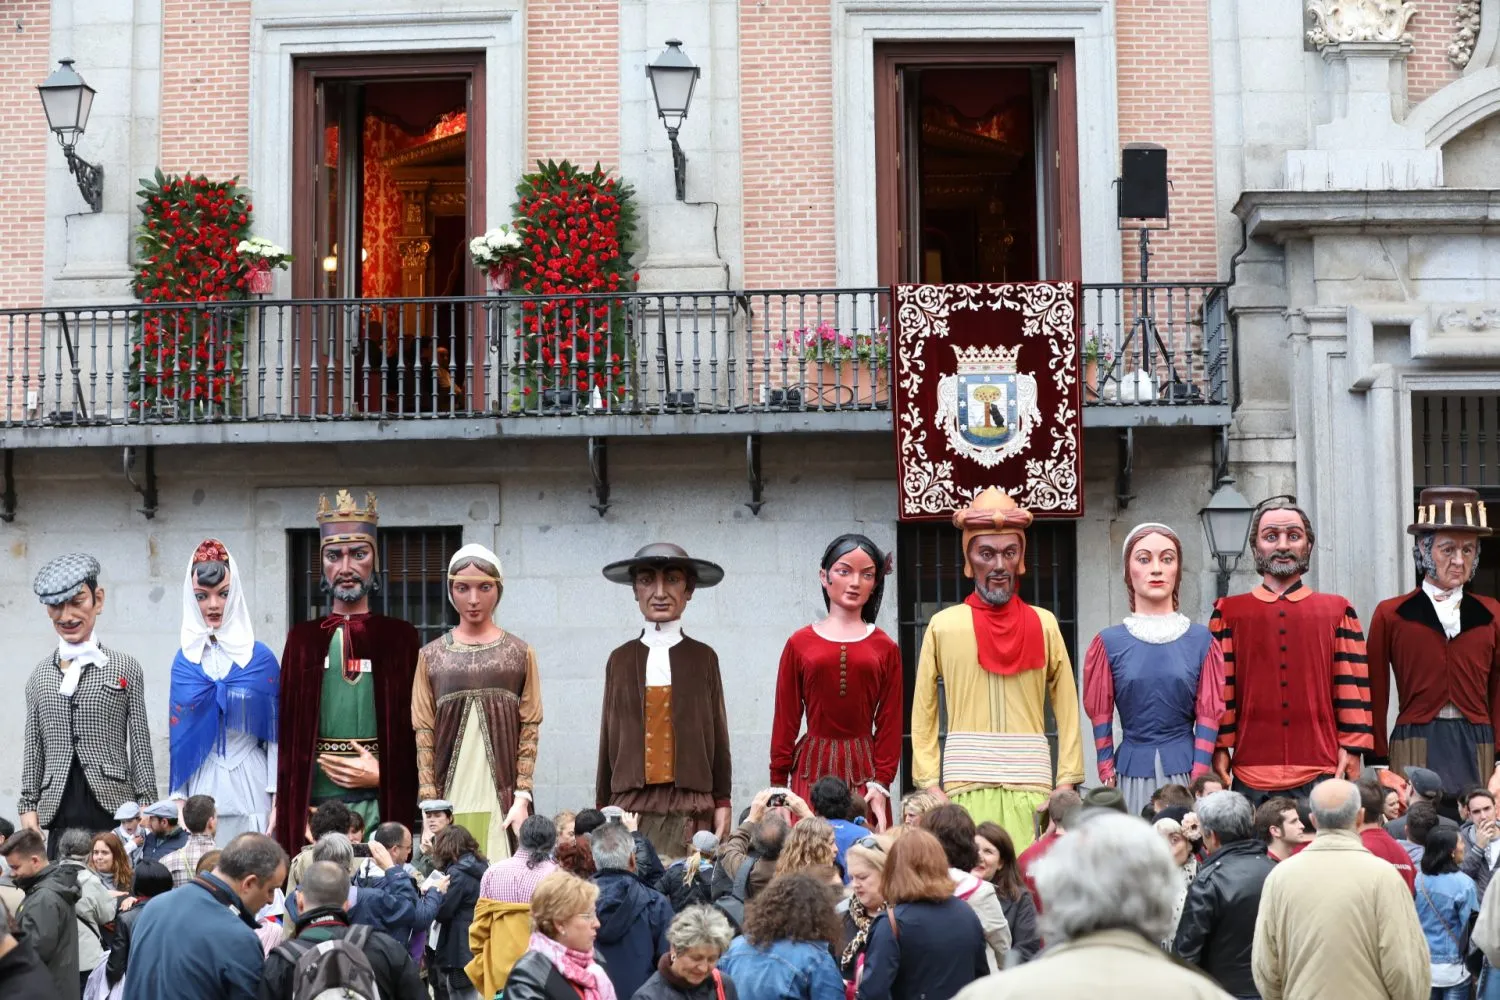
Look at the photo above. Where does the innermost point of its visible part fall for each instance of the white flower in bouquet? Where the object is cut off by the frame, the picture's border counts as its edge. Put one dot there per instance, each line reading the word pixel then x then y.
pixel 264 250
pixel 495 247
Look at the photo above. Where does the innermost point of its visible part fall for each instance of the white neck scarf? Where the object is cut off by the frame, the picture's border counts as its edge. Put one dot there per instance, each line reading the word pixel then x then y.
pixel 1446 606
pixel 659 638
pixel 235 634
pixel 83 654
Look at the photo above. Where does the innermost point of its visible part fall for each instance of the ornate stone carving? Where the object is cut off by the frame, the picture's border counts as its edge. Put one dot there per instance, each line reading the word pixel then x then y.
pixel 1472 320
pixel 1337 21
pixel 1465 32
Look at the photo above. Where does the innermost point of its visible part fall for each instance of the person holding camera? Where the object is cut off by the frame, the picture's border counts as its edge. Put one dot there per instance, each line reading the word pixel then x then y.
pixel 758 840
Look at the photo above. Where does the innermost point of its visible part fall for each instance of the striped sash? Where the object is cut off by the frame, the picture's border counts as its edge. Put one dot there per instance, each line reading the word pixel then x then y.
pixel 997 759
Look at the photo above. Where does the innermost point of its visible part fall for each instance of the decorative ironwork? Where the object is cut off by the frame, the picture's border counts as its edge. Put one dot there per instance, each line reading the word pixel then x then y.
pixel 90 179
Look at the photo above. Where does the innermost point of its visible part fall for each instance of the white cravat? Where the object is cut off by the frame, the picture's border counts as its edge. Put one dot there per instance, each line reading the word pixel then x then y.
pixel 659 639
pixel 1446 606
pixel 74 658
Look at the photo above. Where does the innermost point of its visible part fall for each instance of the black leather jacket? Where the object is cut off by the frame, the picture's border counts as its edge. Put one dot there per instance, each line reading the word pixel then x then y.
pixel 1217 928
pixel 534 977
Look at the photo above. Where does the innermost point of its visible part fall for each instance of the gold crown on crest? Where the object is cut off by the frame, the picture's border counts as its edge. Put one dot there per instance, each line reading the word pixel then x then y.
pixel 343 509
pixel 987 360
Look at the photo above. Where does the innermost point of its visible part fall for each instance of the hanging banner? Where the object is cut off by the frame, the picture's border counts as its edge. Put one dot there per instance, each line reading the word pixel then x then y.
pixel 987 394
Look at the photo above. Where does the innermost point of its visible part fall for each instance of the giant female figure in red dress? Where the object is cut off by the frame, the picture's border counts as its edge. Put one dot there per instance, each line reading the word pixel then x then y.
pixel 844 675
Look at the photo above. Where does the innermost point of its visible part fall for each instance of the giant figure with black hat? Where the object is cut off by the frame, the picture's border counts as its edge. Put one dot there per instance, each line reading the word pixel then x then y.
pixel 664 736
pixel 346 683
pixel 1442 642
pixel 86 746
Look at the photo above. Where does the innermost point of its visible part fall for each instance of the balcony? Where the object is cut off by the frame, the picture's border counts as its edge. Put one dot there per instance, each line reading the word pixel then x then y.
pixel 519 366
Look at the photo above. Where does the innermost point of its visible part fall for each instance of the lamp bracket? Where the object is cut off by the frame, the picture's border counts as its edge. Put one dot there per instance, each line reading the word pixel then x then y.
pixel 90 179
pixel 8 497
pixel 679 165
pixel 1221 457
pixel 147 489
pixel 753 473
pixel 1124 477
pixel 599 469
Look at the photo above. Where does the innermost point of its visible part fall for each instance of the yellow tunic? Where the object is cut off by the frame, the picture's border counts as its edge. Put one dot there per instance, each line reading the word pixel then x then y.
pixel 996 725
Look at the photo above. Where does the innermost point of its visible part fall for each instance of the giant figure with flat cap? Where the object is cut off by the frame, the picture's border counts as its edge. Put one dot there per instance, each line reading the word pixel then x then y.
pixel 664 736
pixel 86 748
pixel 477 709
pixel 1442 642
pixel 999 659
pixel 1296 684
pixel 346 683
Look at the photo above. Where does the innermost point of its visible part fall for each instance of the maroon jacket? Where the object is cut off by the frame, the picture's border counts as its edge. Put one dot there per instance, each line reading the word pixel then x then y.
pixel 1432 670
pixel 392 645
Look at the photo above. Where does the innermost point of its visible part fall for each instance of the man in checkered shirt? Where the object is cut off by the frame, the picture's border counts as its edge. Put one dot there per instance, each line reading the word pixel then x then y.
pixel 86 747
pixel 201 819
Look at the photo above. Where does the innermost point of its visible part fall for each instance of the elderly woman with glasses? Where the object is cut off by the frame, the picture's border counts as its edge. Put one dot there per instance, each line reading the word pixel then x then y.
pixel 559 962
pixel 865 860
pixel 697 939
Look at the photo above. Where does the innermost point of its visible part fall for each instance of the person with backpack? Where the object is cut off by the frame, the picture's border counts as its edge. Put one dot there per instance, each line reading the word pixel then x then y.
pixel 327 953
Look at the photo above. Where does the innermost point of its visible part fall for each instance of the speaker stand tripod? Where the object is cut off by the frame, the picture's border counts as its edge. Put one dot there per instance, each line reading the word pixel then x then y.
pixel 1144 326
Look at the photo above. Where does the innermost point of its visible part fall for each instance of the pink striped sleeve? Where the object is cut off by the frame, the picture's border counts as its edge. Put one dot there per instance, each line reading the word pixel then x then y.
pixel 1099 705
pixel 1210 708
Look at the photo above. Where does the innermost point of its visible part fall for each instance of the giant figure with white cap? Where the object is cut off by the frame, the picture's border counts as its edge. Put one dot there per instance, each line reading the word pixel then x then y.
pixel 999 660
pixel 1162 671
pixel 226 689
pixel 86 746
pixel 346 690
pixel 476 707
pixel 664 735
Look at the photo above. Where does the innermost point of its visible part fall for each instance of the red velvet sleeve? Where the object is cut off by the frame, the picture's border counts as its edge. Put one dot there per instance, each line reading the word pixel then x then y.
pixel 786 723
pixel 1099 705
pixel 301 699
pixel 888 716
pixel 1378 658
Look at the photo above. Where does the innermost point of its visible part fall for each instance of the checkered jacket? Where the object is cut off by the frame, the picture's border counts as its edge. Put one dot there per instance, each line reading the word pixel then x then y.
pixel 104 723
pixel 183 862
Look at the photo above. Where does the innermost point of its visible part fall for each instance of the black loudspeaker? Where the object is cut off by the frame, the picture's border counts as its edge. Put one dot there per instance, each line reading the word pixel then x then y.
pixel 1143 182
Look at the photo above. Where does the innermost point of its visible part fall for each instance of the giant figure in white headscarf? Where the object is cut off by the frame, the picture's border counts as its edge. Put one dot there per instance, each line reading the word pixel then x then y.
pixel 477 710
pixel 226 688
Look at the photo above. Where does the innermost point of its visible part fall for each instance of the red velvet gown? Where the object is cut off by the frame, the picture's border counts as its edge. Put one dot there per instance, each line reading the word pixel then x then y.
pixel 850 693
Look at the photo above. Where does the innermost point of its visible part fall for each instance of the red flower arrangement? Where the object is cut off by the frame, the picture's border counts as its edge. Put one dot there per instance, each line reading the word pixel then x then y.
pixel 186 252
pixel 579 229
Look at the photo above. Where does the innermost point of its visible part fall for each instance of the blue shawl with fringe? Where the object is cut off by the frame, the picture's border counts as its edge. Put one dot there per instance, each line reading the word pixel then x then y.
pixel 247 699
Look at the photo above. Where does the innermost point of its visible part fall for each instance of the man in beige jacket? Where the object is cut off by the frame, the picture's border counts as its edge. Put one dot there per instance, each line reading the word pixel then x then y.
pixel 1335 920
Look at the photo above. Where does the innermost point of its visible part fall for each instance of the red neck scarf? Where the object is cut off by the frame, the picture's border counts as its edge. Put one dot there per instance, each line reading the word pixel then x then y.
pixel 1009 636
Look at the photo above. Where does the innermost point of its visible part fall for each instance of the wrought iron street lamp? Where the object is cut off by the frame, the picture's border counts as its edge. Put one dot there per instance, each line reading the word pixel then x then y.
pixel 673 77
pixel 67 101
pixel 1226 522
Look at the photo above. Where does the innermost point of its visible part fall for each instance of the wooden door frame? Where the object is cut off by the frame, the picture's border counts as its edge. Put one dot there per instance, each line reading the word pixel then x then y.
pixel 892 57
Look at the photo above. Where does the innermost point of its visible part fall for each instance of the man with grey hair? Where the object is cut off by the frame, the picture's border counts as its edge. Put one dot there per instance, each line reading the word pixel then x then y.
pixel 1217 929
pixel 633 918
pixel 322 899
pixel 1335 920
pixel 1109 888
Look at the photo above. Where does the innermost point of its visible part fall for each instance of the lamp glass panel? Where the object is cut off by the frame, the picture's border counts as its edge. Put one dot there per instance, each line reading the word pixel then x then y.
pixel 62 107
pixel 1226 528
pixel 85 105
pixel 673 88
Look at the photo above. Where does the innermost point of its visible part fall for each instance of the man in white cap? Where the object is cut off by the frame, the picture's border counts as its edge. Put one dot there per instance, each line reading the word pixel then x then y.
pixel 128 816
pixel 164 835
pixel 437 815
pixel 86 748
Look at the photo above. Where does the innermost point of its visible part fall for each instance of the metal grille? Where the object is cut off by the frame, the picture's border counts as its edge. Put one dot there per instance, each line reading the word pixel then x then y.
pixel 414 577
pixel 930 577
pixel 1456 442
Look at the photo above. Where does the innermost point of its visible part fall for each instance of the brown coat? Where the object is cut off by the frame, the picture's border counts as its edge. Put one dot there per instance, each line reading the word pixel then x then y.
pixel 700 728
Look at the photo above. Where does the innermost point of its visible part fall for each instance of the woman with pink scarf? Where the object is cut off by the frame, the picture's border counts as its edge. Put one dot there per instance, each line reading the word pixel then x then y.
pixel 559 961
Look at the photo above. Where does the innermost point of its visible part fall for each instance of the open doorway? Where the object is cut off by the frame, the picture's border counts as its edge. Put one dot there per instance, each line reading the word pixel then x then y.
pixel 388 185
pixel 976 163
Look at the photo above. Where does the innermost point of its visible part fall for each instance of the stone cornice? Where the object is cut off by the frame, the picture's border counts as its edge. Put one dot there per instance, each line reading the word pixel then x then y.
pixel 1279 215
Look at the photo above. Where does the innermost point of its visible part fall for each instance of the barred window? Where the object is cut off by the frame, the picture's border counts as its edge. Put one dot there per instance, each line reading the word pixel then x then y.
pixel 413 577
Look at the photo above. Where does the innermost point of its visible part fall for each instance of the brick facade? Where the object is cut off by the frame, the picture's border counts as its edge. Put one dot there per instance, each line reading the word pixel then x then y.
pixel 1166 97
pixel 26 150
pixel 1427 68
pixel 205 87
pixel 573 81
pixel 787 138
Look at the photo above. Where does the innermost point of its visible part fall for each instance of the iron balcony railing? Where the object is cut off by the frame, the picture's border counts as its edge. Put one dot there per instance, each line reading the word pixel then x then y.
pixel 507 356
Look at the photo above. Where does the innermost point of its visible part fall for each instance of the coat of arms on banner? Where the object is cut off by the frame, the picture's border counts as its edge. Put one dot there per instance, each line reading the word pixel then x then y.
pixel 987 407
pixel 987 393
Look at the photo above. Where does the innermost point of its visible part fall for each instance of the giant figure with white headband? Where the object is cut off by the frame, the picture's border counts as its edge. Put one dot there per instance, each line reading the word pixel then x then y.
pixel 477 710
pixel 1164 673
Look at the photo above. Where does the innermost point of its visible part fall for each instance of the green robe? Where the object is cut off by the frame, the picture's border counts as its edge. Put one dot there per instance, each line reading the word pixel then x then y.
pixel 347 712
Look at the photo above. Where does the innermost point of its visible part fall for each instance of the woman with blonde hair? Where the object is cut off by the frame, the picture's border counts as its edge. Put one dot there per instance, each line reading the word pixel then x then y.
pixel 559 961
pixel 1187 866
pixel 811 849
pixel 865 860
pixel 917 803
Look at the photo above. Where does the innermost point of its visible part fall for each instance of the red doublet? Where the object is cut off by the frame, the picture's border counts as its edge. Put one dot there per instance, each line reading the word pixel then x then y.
pixel 851 693
pixel 1296 685
pixel 391 645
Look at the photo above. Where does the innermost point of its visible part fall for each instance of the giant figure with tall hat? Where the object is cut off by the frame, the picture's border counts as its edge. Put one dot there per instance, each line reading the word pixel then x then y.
pixel 226 692
pixel 1296 684
pixel 86 746
pixel 346 683
pixel 999 659
pixel 1442 642
pixel 664 735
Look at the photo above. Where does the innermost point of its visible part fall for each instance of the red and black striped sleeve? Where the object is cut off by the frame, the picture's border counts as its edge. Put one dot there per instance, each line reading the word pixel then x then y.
pixel 1225 635
pixel 1351 686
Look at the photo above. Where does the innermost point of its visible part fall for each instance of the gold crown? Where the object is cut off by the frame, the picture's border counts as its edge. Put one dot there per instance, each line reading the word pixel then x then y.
pixel 987 360
pixel 343 509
